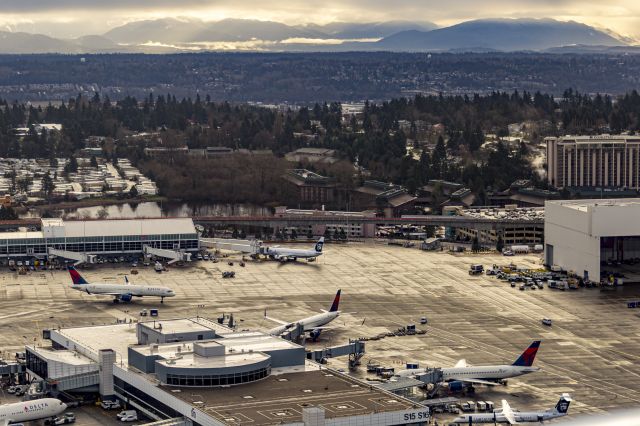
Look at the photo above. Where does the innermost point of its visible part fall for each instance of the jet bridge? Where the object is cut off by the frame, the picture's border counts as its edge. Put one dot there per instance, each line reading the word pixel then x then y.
pixel 173 255
pixel 355 349
pixel 72 255
pixel 251 247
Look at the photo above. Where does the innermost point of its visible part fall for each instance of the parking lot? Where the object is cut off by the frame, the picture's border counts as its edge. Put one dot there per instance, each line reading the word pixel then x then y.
pixel 591 351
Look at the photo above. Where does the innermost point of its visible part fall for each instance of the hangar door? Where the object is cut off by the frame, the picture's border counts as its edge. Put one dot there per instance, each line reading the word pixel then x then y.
pixel 548 254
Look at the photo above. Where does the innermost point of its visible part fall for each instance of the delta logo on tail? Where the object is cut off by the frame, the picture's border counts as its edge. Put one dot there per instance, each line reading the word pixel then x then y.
pixel 336 301
pixel 76 278
pixel 528 356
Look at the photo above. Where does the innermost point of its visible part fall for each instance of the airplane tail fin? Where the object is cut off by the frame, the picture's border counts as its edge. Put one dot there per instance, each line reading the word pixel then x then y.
pixel 563 404
pixel 76 278
pixel 319 245
pixel 527 357
pixel 336 302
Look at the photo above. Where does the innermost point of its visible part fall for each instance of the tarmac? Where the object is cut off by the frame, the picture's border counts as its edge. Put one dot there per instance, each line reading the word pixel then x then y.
pixel 592 350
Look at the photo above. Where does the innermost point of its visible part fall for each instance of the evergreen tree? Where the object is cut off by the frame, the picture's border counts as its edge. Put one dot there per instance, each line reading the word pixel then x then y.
pixel 47 185
pixel 475 245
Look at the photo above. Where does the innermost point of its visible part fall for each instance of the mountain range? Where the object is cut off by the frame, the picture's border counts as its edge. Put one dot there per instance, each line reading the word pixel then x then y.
pixel 170 35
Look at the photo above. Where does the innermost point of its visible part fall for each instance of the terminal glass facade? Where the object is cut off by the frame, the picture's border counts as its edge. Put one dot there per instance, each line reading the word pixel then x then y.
pixel 37 247
pixel 218 380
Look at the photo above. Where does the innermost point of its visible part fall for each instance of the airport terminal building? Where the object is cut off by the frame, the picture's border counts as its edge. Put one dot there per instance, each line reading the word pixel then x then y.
pixel 100 237
pixel 200 372
pixel 588 237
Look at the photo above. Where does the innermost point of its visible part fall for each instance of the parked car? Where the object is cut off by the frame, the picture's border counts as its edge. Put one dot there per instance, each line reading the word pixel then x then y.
pixel 128 416
pixel 110 405
pixel 547 322
pixel 63 420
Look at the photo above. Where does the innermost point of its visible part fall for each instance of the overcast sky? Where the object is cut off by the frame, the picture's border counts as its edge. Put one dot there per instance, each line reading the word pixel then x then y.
pixel 69 18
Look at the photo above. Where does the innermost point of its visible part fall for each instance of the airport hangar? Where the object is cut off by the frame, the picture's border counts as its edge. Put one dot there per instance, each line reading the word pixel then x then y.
pixel 585 235
pixel 101 237
pixel 200 372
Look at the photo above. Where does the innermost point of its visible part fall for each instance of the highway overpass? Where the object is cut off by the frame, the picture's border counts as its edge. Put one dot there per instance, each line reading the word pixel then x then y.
pixel 300 220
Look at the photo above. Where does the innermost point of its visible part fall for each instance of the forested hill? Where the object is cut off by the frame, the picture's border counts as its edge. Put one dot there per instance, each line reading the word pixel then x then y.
pixel 374 139
pixel 312 77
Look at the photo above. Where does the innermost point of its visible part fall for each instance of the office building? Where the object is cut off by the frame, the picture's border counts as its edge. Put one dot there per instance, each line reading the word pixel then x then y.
pixel 602 161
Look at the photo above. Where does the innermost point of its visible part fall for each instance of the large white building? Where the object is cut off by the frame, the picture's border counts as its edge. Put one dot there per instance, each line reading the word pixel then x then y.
pixel 594 161
pixel 582 235
pixel 202 373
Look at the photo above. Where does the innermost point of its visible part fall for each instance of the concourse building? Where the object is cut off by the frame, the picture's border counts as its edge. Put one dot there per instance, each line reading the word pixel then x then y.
pixel 100 237
pixel 594 238
pixel 200 372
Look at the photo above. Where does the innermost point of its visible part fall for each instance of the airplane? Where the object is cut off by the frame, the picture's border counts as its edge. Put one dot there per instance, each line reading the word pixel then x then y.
pixel 313 324
pixel 507 415
pixel 120 292
pixel 284 254
pixel 26 411
pixel 462 375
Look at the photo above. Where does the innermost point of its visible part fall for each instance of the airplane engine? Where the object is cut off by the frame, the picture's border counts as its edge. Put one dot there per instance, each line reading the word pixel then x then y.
pixel 126 297
pixel 315 333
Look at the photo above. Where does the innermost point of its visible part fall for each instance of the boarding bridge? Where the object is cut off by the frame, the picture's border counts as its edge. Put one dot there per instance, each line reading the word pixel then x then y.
pixel 355 349
pixel 8 368
pixel 251 247
pixel 77 381
pixel 173 255
pixel 73 255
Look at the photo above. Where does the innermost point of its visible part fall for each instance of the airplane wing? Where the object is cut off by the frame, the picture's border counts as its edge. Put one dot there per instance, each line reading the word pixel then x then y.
pixel 476 381
pixel 275 320
pixel 507 412
pixel 461 364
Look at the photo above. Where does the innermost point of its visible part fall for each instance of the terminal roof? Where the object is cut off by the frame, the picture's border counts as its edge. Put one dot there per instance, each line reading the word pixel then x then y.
pixel 282 397
pixel 117 227
pixel 187 325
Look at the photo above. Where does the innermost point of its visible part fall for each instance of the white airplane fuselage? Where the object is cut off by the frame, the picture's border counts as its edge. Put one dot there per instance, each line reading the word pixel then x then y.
pixel 279 252
pixel 309 323
pixel 498 417
pixel 486 372
pixel 31 410
pixel 129 289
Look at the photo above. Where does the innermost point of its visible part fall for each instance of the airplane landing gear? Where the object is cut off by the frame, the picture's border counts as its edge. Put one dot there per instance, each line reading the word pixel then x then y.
pixel 116 300
pixel 162 300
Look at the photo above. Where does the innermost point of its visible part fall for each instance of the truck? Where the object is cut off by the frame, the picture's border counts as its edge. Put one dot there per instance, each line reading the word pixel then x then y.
pixel 523 249
pixel 476 269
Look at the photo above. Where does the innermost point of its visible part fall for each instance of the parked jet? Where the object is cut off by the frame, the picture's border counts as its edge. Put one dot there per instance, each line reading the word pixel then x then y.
pixel 313 324
pixel 462 374
pixel 26 411
pixel 120 292
pixel 284 254
pixel 507 415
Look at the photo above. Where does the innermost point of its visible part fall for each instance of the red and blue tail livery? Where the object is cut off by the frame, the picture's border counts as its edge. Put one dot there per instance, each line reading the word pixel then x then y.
pixel 527 357
pixel 336 302
pixel 76 278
